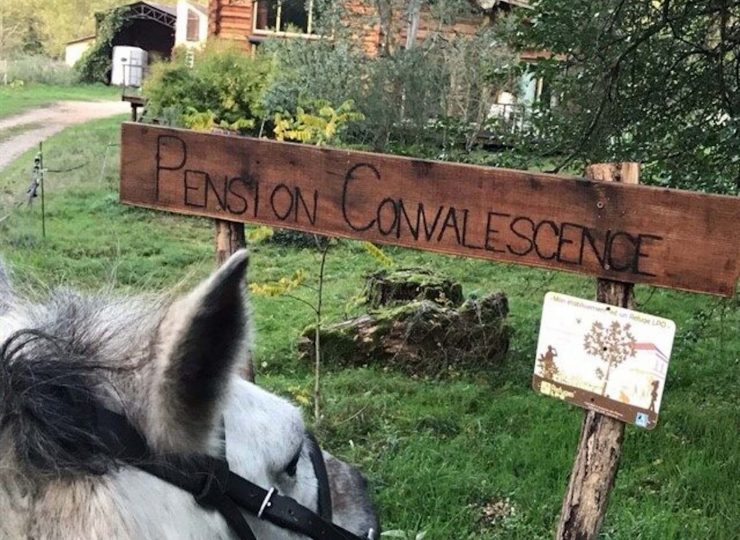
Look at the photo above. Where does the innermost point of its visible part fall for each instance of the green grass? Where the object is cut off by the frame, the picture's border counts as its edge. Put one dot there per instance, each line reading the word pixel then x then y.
pixel 14 100
pixel 436 451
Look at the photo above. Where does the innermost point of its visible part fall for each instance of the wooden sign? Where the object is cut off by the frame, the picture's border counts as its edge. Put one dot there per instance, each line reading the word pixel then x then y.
pixel 629 233
pixel 604 358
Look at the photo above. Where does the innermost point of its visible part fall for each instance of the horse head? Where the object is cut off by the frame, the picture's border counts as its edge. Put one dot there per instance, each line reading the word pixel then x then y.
pixel 168 368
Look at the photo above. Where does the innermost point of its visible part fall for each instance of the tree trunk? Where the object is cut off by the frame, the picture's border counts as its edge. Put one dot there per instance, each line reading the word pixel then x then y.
pixel 600 446
pixel 414 14
pixel 230 239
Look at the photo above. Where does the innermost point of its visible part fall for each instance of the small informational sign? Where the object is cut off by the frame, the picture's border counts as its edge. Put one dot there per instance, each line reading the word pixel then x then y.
pixel 604 358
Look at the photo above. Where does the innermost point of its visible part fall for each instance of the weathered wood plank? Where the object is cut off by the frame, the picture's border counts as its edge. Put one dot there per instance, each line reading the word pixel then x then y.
pixel 629 233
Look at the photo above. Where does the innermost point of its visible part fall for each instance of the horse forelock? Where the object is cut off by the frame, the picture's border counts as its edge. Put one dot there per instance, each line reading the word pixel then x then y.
pixel 59 361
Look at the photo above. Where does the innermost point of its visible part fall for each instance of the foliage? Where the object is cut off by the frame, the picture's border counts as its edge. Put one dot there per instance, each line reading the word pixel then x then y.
pixel 281 287
pixel 378 254
pixel 430 97
pixel 19 30
pixel 259 234
pixel 296 239
pixel 319 124
pixel 35 68
pixel 223 88
pixel 45 26
pixel 307 70
pixel 95 63
pixel 654 82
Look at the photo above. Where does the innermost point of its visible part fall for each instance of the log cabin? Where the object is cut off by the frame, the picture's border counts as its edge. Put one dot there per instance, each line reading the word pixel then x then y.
pixel 250 22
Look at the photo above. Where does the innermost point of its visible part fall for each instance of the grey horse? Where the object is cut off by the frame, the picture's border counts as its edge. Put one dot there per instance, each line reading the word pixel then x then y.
pixel 170 368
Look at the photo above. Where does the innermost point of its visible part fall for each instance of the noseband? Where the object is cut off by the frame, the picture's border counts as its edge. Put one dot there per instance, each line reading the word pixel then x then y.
pixel 215 487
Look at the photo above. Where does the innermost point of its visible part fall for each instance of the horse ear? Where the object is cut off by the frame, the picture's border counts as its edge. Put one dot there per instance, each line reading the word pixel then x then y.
pixel 200 340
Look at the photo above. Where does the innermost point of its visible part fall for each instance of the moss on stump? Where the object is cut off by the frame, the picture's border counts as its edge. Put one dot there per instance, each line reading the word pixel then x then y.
pixel 421 337
pixel 389 288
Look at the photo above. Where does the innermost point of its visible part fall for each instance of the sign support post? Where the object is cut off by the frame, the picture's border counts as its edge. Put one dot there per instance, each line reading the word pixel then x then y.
pixel 229 239
pixel 600 444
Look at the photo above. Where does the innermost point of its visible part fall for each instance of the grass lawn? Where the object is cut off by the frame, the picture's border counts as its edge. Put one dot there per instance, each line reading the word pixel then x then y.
pixel 438 452
pixel 14 100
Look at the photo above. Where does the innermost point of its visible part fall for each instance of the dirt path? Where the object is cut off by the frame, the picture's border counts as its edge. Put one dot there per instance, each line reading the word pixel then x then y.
pixel 47 121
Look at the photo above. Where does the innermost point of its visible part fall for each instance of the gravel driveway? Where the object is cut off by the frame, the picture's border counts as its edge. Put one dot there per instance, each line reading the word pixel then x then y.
pixel 47 121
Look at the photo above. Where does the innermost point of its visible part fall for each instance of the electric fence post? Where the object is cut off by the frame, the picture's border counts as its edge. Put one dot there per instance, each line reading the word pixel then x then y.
pixel 41 182
pixel 37 183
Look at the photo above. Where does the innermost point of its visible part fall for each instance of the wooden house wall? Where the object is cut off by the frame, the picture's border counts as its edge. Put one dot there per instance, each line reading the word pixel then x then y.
pixel 232 20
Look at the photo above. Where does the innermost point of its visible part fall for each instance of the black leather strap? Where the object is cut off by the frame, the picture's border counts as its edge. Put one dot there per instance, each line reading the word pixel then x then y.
pixel 322 477
pixel 284 511
pixel 215 487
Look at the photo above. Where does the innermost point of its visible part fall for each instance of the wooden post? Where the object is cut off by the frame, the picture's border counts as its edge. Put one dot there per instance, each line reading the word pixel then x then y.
pixel 600 445
pixel 229 239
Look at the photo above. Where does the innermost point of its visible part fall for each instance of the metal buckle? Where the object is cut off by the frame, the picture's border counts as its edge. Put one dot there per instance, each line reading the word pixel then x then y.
pixel 266 502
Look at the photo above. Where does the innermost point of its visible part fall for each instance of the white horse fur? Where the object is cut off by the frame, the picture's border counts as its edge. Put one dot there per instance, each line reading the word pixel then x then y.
pixel 170 367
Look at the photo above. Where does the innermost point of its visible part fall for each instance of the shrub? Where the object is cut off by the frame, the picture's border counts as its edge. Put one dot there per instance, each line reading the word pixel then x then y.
pixel 40 69
pixel 223 88
pixel 409 98
pixel 308 70
pixel 319 124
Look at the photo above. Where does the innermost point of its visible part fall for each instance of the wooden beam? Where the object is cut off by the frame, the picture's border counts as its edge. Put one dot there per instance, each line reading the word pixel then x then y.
pixel 600 445
pixel 631 233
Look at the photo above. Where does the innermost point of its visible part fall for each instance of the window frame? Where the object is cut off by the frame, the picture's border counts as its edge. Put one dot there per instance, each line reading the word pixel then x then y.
pixel 266 32
pixel 195 20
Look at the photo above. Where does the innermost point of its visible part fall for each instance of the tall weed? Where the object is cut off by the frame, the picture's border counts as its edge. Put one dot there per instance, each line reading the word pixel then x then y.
pixel 33 68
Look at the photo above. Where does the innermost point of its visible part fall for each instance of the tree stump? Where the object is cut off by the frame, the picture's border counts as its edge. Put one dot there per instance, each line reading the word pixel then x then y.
pixel 388 288
pixel 421 338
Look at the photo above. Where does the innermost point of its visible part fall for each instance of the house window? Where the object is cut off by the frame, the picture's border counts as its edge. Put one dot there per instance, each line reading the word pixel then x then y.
pixel 291 17
pixel 193 30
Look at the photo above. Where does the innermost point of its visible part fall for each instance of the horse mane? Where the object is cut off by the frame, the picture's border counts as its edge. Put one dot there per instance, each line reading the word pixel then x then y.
pixel 48 405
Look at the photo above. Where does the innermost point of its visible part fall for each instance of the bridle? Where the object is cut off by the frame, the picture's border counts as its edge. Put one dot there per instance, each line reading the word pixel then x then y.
pixel 215 487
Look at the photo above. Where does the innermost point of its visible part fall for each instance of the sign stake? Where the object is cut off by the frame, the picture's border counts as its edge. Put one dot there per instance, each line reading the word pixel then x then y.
pixel 600 445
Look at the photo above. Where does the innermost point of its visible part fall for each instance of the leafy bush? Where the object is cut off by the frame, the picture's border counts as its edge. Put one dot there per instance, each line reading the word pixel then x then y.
pixel 40 69
pixel 318 124
pixel 431 96
pixel 308 70
pixel 223 88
